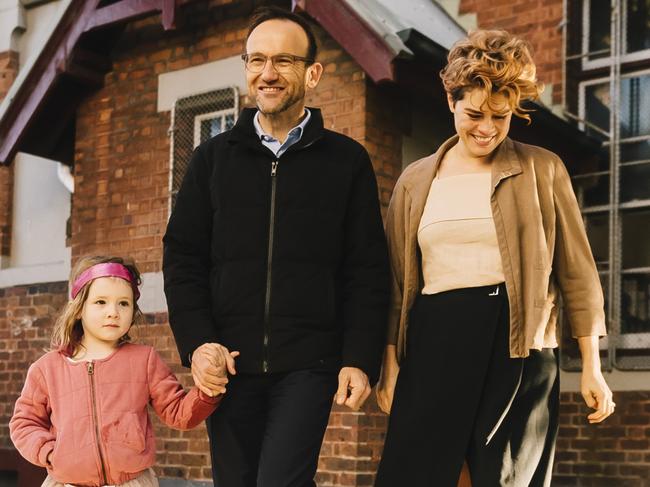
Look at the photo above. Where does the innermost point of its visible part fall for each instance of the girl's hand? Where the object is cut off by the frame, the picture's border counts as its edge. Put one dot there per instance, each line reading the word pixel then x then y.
pixel 596 394
pixel 387 379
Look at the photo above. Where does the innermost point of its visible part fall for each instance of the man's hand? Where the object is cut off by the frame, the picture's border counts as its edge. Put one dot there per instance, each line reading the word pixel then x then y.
pixel 354 381
pixel 211 364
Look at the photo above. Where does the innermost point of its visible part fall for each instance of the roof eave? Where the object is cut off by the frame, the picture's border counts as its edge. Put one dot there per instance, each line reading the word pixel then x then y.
pixel 30 90
pixel 367 48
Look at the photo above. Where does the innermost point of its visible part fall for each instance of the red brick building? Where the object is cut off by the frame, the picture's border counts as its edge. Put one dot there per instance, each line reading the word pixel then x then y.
pixel 103 100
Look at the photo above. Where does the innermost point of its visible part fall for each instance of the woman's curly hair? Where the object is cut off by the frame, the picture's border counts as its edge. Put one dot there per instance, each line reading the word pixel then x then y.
pixel 496 62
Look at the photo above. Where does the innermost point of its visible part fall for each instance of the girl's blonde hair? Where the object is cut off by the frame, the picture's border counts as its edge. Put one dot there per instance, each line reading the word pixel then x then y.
pixel 496 62
pixel 68 331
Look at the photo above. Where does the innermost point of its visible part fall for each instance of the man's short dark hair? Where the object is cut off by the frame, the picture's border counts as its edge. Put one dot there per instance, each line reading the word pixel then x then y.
pixel 262 14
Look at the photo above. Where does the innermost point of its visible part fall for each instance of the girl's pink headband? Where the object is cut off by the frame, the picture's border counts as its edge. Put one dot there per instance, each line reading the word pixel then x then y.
pixel 108 269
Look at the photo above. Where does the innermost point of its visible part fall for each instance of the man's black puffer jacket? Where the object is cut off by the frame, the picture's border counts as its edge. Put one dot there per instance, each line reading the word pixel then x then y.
pixel 283 259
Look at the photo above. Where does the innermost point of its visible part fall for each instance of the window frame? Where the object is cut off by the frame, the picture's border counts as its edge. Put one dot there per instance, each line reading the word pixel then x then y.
pixel 589 64
pixel 234 110
pixel 616 340
pixel 210 116
pixel 582 89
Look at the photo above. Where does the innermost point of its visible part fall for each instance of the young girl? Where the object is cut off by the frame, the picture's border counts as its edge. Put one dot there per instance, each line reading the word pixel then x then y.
pixel 82 413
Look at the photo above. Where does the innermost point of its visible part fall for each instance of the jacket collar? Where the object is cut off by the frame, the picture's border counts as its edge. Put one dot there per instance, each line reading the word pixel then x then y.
pixel 506 162
pixel 244 130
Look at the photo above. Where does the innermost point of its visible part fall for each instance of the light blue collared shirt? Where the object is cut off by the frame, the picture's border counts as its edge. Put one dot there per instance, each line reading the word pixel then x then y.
pixel 294 135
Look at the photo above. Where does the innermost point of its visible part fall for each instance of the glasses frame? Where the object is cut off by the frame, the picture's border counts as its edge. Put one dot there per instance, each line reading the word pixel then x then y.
pixel 294 59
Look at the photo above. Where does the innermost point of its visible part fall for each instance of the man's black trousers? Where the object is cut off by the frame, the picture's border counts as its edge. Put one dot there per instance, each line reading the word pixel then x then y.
pixel 268 430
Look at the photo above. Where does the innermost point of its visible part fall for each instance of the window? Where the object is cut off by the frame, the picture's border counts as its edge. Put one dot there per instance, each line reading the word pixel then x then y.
pixel 628 346
pixel 195 119
pixel 635 29
pixel 208 125
pixel 39 250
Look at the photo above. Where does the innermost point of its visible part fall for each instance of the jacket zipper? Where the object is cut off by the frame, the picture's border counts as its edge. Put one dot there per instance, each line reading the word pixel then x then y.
pixel 269 262
pixel 91 373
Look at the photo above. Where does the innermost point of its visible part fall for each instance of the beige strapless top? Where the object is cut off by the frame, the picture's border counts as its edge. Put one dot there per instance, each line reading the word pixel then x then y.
pixel 456 235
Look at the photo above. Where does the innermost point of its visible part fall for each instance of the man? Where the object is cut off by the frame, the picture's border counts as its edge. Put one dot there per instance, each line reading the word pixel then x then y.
pixel 275 250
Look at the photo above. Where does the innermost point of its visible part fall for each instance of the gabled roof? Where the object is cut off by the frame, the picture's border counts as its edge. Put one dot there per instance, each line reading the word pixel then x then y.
pixel 46 92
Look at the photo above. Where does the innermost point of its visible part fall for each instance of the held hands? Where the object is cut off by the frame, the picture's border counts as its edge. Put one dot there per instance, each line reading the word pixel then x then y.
pixel 596 394
pixel 354 388
pixel 211 364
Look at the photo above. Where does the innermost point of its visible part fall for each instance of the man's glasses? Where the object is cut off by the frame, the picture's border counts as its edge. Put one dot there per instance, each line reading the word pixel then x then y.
pixel 282 63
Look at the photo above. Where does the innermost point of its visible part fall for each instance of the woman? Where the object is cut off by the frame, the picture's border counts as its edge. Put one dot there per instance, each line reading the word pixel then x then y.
pixel 483 234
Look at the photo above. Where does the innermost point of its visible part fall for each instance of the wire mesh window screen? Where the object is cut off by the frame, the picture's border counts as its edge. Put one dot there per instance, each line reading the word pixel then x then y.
pixel 628 344
pixel 635 25
pixel 195 119
pixel 607 67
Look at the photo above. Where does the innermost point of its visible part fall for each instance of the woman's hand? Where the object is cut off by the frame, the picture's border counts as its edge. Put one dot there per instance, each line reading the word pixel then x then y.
pixel 596 394
pixel 593 387
pixel 387 379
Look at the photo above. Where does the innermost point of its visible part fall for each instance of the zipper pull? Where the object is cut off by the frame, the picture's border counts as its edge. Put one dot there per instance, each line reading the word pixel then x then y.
pixel 274 168
pixel 91 368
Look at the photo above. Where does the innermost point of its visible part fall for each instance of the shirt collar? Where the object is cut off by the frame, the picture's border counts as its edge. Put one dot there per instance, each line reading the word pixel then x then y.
pixel 297 130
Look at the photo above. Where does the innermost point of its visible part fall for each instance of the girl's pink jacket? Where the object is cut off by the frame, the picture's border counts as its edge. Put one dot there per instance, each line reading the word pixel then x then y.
pixel 93 416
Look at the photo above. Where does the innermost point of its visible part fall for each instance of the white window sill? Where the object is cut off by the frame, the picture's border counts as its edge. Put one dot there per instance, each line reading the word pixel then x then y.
pixel 36 274
pixel 152 295
pixel 618 380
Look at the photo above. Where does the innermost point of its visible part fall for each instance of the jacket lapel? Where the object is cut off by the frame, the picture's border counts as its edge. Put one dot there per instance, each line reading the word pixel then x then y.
pixel 506 163
pixel 418 186
pixel 420 182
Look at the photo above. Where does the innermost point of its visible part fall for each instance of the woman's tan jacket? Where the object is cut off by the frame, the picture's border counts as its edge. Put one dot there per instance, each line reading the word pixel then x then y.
pixel 542 241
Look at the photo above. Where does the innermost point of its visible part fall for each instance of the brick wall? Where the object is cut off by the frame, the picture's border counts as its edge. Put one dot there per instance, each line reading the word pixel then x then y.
pixel 352 447
pixel 385 119
pixel 536 21
pixel 26 314
pixel 614 453
pixel 6 203
pixel 8 73
pixel 341 92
